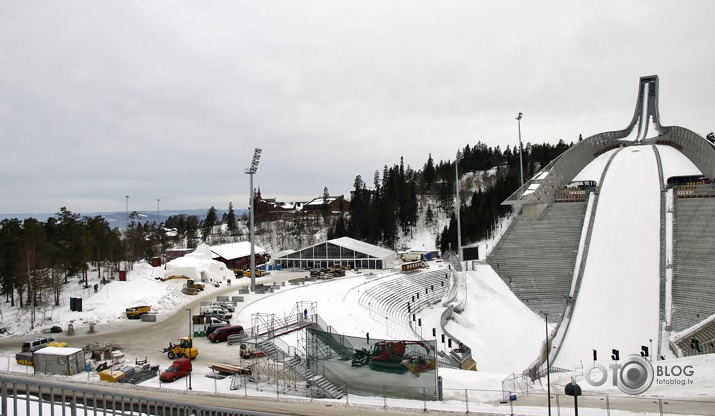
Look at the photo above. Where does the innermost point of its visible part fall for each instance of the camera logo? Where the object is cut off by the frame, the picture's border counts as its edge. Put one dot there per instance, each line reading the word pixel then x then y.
pixel 634 375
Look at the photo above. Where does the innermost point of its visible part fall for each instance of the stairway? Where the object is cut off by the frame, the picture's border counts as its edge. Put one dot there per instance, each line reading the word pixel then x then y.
pixel 272 351
pixel 345 352
pixel 321 386
pixel 324 387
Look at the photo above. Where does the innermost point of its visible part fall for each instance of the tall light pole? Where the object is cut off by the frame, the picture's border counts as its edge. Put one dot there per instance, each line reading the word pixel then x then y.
pixel 189 310
pixel 251 171
pixel 548 364
pixel 459 222
pixel 521 163
pixel 191 345
pixel 158 226
pixel 126 233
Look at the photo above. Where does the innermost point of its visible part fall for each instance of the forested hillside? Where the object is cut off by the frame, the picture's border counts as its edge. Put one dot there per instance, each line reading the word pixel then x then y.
pixel 390 205
pixel 38 258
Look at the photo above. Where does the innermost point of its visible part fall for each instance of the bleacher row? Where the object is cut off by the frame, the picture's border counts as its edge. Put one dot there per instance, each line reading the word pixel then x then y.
pixel 419 289
pixel 536 257
pixel 693 262
pixel 706 341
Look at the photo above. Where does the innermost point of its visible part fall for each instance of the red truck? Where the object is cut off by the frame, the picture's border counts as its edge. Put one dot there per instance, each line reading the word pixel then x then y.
pixel 179 368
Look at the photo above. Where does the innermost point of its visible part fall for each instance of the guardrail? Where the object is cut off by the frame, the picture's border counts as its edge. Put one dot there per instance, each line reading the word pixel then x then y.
pixel 22 395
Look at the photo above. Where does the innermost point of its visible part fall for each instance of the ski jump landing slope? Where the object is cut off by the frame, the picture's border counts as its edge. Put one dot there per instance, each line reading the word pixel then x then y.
pixel 617 306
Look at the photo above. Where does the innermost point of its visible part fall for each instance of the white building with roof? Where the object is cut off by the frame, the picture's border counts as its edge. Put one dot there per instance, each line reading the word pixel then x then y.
pixel 340 252
pixel 238 255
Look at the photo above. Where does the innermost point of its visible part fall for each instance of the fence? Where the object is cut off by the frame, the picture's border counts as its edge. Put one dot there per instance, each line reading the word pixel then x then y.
pixel 22 395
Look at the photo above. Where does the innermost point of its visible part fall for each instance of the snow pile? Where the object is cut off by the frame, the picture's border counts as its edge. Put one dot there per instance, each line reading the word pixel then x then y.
pixel 199 266
pixel 105 305
pixel 140 289
pixel 504 335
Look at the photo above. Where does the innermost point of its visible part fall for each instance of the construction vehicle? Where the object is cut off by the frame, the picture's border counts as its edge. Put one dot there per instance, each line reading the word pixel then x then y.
pixel 360 357
pixel 192 288
pixel 184 349
pixel 395 357
pixel 247 273
pixel 248 352
pixel 190 283
pixel 195 285
pixel 136 312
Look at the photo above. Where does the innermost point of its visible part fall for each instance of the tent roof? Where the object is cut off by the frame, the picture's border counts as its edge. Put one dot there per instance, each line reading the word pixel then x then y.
pixel 235 250
pixel 362 247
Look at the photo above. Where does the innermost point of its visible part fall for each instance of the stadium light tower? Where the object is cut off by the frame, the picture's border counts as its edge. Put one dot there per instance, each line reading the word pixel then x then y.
pixel 548 364
pixel 459 223
pixel 521 163
pixel 190 337
pixel 251 171
pixel 158 226
pixel 126 233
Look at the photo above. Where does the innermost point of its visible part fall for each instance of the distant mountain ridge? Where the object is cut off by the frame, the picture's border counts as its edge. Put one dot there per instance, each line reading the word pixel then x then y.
pixel 118 219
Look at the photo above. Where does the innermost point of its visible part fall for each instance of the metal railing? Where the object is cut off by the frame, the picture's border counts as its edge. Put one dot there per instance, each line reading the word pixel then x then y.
pixel 53 397
pixel 22 395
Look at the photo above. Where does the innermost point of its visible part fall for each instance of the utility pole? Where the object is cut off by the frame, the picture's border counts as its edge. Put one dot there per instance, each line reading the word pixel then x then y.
pixel 252 171
pixel 521 162
pixel 457 208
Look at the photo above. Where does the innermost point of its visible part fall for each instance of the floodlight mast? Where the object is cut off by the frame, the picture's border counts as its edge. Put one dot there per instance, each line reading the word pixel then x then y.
pixel 251 171
pixel 459 222
pixel 521 163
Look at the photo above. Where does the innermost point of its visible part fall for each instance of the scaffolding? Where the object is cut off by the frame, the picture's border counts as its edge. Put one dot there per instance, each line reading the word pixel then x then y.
pixel 274 364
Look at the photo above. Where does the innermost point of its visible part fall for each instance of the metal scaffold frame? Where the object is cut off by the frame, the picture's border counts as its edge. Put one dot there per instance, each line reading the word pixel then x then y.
pixel 262 348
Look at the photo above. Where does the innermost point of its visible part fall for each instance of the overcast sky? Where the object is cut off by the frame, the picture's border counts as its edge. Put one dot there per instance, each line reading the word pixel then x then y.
pixel 167 100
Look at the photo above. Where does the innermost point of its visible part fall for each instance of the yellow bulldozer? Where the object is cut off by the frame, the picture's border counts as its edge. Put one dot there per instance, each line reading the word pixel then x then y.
pixel 184 349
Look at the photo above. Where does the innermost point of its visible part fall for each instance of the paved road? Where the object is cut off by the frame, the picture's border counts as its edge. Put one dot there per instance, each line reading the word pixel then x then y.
pixel 146 339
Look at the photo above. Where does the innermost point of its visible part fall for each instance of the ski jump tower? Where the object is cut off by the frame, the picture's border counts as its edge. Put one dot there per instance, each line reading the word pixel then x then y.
pixel 542 255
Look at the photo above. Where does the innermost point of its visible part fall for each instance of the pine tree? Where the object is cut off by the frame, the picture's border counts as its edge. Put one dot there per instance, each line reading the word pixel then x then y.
pixel 231 222
pixel 429 175
pixel 326 202
pixel 208 224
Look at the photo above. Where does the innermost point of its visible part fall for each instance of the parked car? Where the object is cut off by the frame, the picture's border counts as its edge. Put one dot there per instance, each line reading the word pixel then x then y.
pixel 36 344
pixel 225 305
pixel 218 313
pixel 221 334
pixel 211 328
pixel 179 368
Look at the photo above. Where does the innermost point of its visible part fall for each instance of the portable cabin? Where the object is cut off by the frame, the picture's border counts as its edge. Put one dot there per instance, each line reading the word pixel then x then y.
pixel 59 360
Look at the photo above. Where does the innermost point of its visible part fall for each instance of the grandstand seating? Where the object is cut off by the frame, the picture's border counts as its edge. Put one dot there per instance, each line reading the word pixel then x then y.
pixel 693 262
pixel 390 298
pixel 706 338
pixel 536 257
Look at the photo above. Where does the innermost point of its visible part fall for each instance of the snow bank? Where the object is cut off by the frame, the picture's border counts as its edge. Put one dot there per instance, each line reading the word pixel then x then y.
pixel 199 266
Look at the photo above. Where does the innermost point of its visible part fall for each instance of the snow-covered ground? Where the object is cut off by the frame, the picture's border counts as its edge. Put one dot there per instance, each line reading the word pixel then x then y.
pixel 503 334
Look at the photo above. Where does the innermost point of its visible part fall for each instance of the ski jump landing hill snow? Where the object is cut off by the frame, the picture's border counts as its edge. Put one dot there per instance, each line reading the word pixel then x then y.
pixel 613 243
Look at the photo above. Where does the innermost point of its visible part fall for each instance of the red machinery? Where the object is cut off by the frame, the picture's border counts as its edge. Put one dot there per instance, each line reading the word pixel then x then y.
pixel 397 357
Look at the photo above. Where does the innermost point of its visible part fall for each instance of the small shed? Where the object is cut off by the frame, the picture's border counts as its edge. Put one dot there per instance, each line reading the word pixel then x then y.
pixel 59 360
